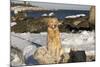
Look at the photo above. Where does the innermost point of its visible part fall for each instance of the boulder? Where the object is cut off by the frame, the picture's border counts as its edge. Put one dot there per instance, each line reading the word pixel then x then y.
pixel 65 58
pixel 17 58
pixel 77 56
pixel 43 57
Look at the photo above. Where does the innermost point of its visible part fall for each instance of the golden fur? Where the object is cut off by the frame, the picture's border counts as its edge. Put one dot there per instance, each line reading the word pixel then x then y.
pixel 54 41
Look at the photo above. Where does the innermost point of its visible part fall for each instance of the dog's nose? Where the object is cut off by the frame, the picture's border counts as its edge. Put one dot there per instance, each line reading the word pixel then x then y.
pixel 54 26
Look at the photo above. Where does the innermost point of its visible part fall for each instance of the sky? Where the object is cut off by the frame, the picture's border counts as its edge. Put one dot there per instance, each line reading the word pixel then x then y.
pixel 57 6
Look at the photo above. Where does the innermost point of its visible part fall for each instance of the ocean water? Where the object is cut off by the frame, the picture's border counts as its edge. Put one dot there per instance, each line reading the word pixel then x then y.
pixel 61 14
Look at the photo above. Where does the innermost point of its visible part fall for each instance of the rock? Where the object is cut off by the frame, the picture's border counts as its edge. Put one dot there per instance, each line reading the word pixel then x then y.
pixel 65 58
pixel 84 24
pixel 90 58
pixel 76 22
pixel 42 56
pixel 17 58
pixel 77 56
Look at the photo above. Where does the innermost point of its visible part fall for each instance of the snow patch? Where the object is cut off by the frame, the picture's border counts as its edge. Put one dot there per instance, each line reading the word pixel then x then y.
pixel 13 24
pixel 76 16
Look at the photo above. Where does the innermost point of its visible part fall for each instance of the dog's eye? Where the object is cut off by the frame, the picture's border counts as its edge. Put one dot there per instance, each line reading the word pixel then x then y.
pixel 55 25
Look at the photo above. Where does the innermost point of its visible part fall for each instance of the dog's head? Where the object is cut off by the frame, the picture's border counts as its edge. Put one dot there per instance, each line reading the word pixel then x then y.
pixel 53 23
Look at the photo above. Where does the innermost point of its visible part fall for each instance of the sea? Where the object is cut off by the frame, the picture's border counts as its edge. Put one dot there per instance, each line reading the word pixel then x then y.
pixel 60 14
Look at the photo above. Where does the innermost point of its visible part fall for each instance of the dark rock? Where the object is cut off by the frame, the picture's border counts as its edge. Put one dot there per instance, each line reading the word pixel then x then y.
pixel 77 56
pixel 65 58
pixel 84 25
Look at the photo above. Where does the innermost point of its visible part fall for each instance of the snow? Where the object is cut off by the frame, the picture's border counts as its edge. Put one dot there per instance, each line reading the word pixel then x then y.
pixel 79 15
pixel 71 16
pixel 79 38
pixel 81 41
pixel 29 50
pixel 16 60
pixel 51 14
pixel 13 24
pixel 44 14
pixel 76 16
